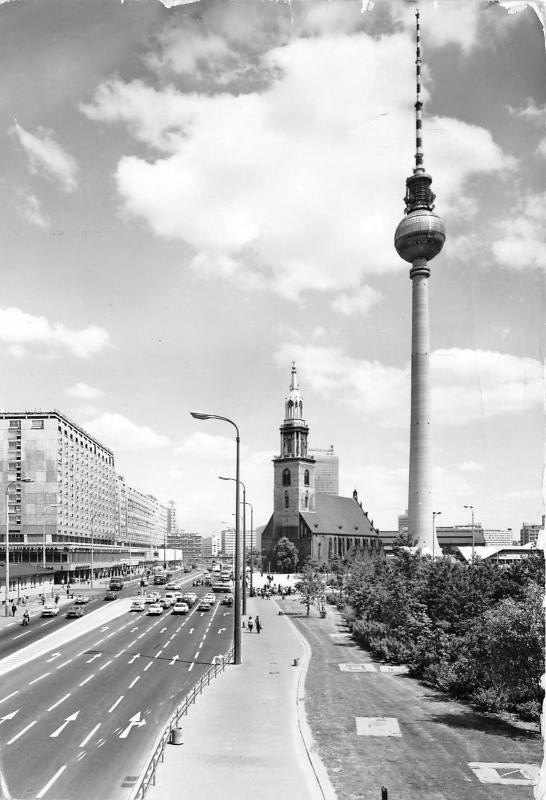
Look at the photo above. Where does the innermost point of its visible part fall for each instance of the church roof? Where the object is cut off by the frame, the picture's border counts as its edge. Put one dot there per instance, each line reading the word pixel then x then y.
pixel 340 516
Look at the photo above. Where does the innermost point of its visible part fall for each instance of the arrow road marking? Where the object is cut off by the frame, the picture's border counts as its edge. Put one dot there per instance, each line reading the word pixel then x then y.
pixel 61 728
pixel 173 660
pixel 104 628
pixel 191 630
pixel 8 716
pixel 53 657
pixel 134 722
pixel 221 630
pixel 89 735
pixel 97 655
pixel 134 658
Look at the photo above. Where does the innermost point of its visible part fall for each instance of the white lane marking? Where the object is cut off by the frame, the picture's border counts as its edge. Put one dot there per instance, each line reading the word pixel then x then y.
pixel 163 629
pixel 97 655
pixel 191 630
pixel 86 680
pixel 64 663
pixel 40 678
pixel 7 697
pixel 53 657
pixel 118 701
pixel 148 665
pixel 58 703
pixel 134 681
pixel 80 756
pixel 191 667
pixel 133 629
pixel 50 783
pixel 21 733
pixel 46 623
pixel 20 634
pixel 196 655
pixel 141 635
pixel 120 652
pixel 134 658
pixel 134 721
pixel 100 641
pixel 9 716
pixel 131 643
pixel 89 735
pixel 105 665
pixel 61 728
pixel 158 653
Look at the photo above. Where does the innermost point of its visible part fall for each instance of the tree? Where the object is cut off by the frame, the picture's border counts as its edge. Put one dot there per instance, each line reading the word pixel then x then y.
pixel 311 585
pixel 286 554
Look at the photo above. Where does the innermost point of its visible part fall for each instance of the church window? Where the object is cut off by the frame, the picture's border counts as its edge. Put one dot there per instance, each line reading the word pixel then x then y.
pixel 286 500
pixel 286 477
pixel 306 478
pixel 306 499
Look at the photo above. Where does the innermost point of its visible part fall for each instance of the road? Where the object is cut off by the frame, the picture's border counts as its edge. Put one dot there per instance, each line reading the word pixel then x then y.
pixel 80 721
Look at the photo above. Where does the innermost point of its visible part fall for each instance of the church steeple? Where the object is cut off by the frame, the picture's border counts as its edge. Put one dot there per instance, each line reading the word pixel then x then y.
pixel 293 407
pixel 294 431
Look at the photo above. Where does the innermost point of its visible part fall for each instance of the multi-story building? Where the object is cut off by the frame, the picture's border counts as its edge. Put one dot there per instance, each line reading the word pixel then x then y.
pixel 210 546
pixel 326 470
pixel 403 525
pixel 499 537
pixel 451 537
pixel 189 545
pixel 228 542
pixel 530 531
pixel 171 519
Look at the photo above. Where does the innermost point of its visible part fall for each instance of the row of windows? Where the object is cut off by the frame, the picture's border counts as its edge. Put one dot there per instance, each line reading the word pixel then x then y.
pixel 287 500
pixel 287 478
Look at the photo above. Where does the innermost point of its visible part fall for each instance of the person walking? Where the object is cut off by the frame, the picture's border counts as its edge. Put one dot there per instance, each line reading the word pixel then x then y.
pixel 250 624
pixel 13 609
pixel 258 625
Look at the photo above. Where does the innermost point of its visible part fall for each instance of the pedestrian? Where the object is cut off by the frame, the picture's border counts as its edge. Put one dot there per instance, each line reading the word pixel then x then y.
pixel 57 599
pixel 13 609
pixel 258 625
pixel 250 624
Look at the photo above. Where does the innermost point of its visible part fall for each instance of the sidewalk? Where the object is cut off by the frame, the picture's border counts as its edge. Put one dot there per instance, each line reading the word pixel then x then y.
pixel 246 736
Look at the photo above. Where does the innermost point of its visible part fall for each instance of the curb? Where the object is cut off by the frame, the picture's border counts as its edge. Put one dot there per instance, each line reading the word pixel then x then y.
pixel 319 770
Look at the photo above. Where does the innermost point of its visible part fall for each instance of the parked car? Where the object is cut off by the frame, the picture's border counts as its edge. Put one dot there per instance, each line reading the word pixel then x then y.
pixel 111 595
pixel 75 611
pixel 138 605
pixel 180 608
pixel 50 610
pixel 203 606
pixel 155 610
pixel 81 600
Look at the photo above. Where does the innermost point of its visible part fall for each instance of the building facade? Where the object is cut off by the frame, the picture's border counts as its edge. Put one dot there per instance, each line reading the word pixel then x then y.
pixel 500 537
pixel 210 546
pixel 227 542
pixel 326 470
pixel 530 532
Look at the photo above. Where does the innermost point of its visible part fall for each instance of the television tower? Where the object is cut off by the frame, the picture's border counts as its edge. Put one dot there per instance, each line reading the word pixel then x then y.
pixel 418 238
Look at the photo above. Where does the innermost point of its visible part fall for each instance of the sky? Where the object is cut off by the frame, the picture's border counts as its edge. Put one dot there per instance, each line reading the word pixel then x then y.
pixel 195 195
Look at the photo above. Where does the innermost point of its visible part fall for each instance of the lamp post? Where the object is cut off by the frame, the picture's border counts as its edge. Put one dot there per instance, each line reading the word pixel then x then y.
pixel 434 515
pixel 251 548
pixel 237 604
pixel 6 595
pixel 473 537
pixel 222 478
pixel 51 505
pixel 92 547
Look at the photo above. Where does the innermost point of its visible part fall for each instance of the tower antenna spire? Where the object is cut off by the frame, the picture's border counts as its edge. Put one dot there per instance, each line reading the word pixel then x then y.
pixel 419 166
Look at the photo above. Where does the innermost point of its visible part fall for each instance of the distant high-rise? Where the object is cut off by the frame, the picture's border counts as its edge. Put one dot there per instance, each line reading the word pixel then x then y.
pixel 326 470
pixel 419 237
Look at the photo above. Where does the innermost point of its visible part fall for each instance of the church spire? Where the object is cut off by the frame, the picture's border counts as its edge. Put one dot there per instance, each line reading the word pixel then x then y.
pixel 293 407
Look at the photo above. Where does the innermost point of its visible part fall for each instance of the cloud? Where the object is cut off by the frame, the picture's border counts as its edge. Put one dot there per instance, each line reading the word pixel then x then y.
pixel 17 328
pixel 119 433
pixel 359 302
pixel 531 112
pixel 84 391
pixel 269 186
pixel 46 156
pixel 467 385
pixel 30 209
pixel 207 446
pixel 471 467
pixel 521 243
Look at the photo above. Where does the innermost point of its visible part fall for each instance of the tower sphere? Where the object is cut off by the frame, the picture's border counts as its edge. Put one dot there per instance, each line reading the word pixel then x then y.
pixel 420 235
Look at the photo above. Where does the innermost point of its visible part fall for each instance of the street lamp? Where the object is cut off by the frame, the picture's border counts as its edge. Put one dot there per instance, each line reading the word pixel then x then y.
pixel 251 548
pixel 51 505
pixel 92 546
pixel 472 509
pixel 6 595
pixel 237 604
pixel 222 478
pixel 434 515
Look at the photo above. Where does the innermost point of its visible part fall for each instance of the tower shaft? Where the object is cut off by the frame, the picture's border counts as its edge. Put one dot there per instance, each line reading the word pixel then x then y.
pixel 420 465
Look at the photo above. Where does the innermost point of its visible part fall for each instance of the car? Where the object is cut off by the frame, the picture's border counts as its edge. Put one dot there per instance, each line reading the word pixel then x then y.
pixel 138 605
pixel 180 608
pixel 155 609
pixel 203 606
pixel 227 600
pixel 81 600
pixel 75 611
pixel 153 597
pixel 167 602
pixel 210 598
pixel 189 599
pixel 171 585
pixel 50 610
pixel 111 595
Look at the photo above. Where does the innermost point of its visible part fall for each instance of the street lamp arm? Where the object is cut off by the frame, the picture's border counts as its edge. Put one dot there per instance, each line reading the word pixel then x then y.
pixel 202 415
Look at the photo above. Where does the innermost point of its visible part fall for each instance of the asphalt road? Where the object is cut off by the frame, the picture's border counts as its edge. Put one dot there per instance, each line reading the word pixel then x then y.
pixel 79 722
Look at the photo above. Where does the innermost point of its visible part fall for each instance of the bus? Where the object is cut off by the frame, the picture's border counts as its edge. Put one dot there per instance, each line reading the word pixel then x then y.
pixel 161 576
pixel 116 584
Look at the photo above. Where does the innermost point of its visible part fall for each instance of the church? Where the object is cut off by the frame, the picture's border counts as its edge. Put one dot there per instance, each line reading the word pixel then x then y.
pixel 319 523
